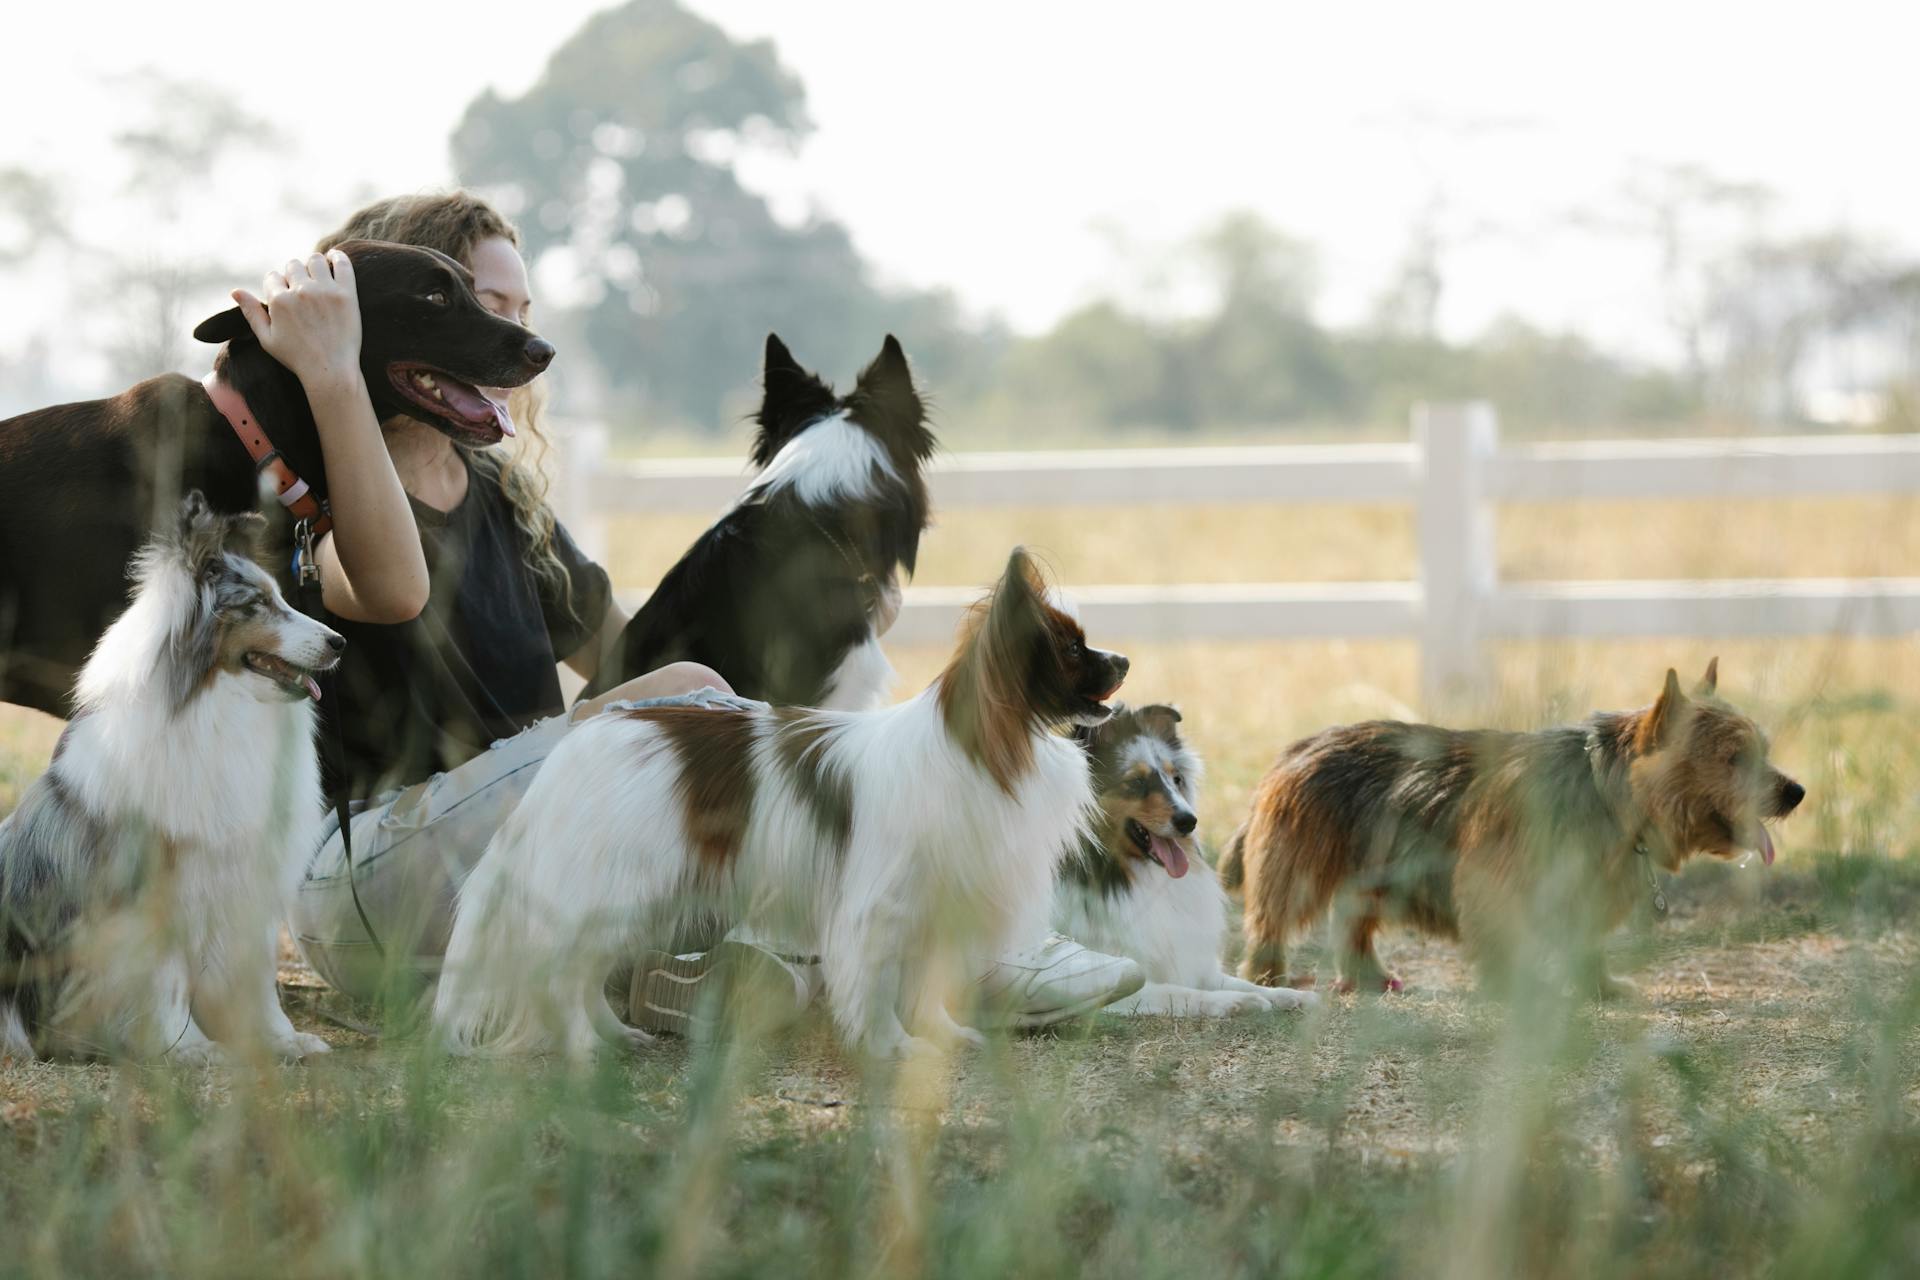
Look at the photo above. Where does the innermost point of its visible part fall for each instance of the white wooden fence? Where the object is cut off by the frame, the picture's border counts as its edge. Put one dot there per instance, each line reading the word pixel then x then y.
pixel 1453 470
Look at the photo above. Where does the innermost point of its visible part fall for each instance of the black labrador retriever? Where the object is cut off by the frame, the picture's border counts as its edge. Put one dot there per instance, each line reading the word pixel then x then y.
pixel 82 485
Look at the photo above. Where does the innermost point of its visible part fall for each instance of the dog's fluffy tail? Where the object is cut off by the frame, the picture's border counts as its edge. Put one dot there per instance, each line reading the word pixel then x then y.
pixel 1232 868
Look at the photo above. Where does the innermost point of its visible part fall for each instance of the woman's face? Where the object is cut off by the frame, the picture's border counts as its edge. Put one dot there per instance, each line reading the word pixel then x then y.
pixel 500 278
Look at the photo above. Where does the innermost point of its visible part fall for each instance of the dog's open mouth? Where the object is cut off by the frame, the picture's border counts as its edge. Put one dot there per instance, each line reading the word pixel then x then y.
pixel 1164 850
pixel 297 681
pixel 470 411
pixel 1756 839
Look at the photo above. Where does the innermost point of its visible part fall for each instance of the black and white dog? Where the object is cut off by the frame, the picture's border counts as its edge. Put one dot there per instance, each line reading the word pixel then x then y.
pixel 1133 887
pixel 780 595
pixel 144 875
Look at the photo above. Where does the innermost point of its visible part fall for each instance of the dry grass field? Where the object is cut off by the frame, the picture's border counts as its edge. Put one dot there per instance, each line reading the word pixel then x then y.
pixel 1757 1112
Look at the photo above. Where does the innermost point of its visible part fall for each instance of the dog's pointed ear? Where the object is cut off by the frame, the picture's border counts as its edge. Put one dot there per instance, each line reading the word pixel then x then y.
pixel 791 398
pixel 202 537
pixel 1710 681
pixel 1023 578
pixel 899 414
pixel 889 368
pixel 1664 715
pixel 243 533
pixel 1159 720
pixel 224 327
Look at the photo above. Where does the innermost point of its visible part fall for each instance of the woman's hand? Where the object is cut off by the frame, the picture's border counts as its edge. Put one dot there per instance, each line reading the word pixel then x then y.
pixel 309 320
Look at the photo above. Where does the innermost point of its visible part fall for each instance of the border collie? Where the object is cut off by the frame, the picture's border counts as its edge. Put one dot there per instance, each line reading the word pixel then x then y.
pixel 910 843
pixel 779 596
pixel 144 875
pixel 1133 886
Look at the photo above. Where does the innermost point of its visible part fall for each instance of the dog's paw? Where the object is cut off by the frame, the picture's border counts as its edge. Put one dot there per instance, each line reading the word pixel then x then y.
pixel 1288 998
pixel 969 1037
pixel 1229 1004
pixel 1385 984
pixel 1617 990
pixel 300 1044
pixel 197 1053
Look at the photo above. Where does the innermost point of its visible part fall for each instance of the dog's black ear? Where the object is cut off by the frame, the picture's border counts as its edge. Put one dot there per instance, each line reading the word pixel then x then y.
pixel 791 398
pixel 886 401
pixel 224 327
pixel 1710 682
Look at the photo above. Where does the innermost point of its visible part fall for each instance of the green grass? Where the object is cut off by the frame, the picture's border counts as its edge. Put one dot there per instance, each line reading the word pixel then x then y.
pixel 1755 1114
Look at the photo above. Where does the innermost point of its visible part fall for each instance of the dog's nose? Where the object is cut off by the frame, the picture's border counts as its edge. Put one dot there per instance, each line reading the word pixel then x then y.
pixel 1791 794
pixel 1184 823
pixel 1119 663
pixel 539 352
pixel 336 642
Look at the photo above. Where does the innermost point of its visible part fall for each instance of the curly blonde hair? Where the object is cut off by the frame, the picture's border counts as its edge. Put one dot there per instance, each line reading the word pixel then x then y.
pixel 454 222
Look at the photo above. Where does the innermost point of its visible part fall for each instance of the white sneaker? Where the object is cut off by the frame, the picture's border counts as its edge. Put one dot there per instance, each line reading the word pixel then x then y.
pixel 693 995
pixel 1053 981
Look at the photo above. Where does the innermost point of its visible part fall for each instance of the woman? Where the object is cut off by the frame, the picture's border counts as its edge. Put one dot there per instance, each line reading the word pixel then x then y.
pixel 459 595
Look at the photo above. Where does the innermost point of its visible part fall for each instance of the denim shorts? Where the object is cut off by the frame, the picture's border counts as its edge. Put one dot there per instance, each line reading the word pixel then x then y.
pixel 412 849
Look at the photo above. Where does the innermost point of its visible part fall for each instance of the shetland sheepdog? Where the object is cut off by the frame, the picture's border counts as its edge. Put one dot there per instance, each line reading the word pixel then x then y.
pixel 1134 886
pixel 780 595
pixel 144 876
pixel 907 845
pixel 1528 847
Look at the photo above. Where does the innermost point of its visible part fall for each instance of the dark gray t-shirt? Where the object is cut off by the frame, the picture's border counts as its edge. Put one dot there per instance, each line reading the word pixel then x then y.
pixel 478 664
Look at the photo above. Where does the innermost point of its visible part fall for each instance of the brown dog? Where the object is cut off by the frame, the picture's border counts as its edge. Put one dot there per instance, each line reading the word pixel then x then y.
pixel 1522 845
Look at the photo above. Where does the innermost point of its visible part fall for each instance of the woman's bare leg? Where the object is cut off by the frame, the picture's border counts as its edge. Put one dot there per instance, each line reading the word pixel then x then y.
pixel 674 678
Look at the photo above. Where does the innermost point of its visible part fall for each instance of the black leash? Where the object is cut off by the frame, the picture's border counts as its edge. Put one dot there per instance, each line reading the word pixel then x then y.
pixel 306 573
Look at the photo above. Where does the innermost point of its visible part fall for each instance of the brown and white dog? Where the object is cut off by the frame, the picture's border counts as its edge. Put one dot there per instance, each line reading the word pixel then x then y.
pixel 907 845
pixel 1134 886
pixel 1528 847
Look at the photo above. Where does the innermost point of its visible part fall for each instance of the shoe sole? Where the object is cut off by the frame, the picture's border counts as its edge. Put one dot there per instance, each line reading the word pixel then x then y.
pixel 671 993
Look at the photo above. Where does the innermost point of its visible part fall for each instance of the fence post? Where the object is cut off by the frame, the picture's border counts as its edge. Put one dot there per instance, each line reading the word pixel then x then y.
pixel 583 457
pixel 1457 565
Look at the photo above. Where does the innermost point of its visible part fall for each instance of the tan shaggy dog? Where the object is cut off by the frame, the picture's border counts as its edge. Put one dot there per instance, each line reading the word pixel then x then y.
pixel 1525 846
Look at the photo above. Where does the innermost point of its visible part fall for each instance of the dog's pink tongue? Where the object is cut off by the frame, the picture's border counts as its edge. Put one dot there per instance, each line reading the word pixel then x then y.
pixel 313 687
pixel 476 404
pixel 501 417
pixel 1171 855
pixel 1766 846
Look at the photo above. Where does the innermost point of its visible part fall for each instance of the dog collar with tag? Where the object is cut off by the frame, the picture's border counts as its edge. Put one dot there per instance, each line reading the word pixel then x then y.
pixel 294 493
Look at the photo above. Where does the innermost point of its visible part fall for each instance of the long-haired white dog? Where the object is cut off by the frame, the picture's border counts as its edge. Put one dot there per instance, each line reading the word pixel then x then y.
pixel 144 875
pixel 910 844
pixel 1134 886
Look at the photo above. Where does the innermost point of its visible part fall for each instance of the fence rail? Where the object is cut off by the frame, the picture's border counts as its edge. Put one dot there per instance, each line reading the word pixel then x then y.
pixel 1452 471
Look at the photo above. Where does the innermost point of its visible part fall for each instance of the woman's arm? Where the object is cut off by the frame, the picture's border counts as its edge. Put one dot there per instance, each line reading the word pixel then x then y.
pixel 371 565
pixel 587 659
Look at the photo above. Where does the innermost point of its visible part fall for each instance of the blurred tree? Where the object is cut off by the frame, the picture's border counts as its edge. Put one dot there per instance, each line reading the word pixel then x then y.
pixel 186 132
pixel 622 166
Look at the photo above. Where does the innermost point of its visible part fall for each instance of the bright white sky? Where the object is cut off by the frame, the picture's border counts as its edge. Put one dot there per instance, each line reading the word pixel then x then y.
pixel 1007 148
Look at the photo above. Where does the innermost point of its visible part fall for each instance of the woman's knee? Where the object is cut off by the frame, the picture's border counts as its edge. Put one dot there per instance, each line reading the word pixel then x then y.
pixel 681 677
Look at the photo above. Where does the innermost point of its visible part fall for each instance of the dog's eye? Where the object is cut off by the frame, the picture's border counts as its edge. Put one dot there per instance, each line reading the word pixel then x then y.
pixel 438 298
pixel 1179 781
pixel 1075 648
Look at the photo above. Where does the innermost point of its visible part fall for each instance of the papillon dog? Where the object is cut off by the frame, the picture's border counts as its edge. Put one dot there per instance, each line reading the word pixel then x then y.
pixel 782 595
pixel 908 845
pixel 143 877
pixel 1134 885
